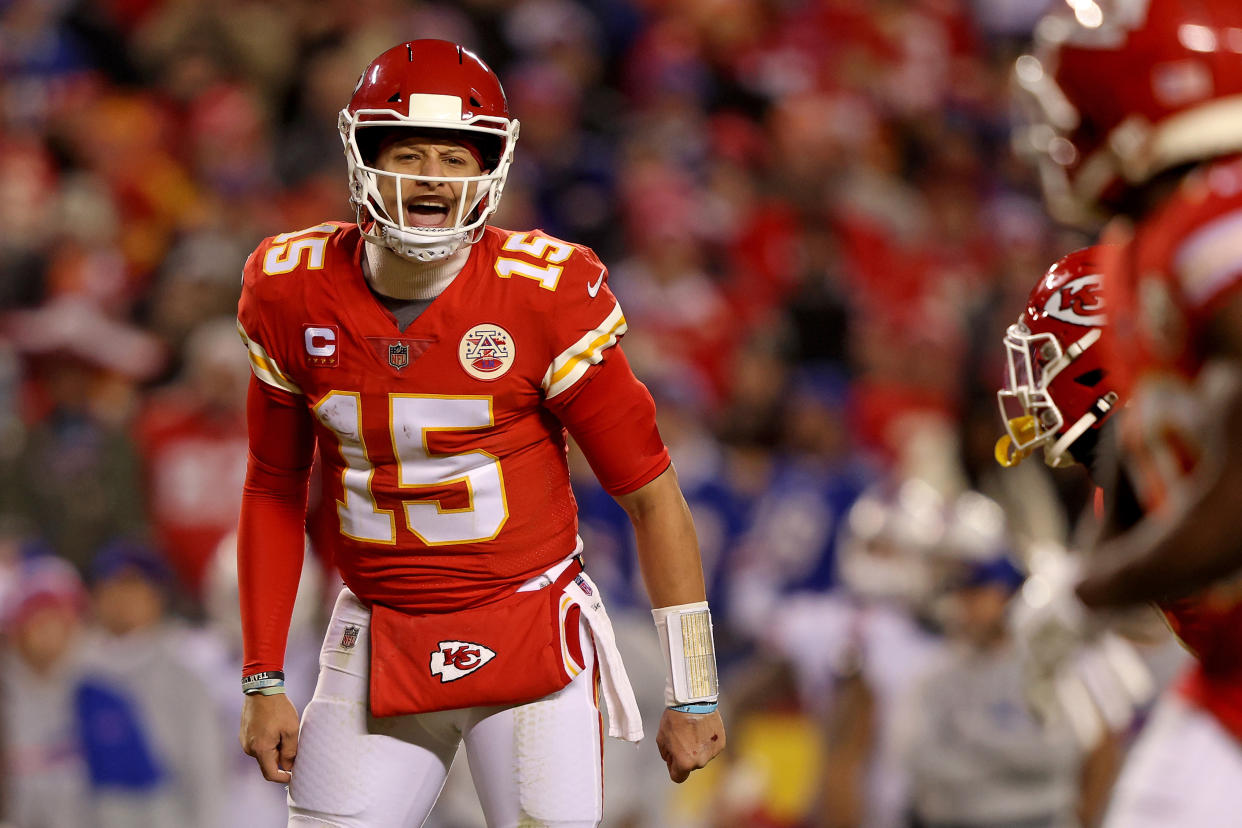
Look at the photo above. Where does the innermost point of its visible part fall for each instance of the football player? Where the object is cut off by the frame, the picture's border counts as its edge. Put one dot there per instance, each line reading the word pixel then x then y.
pixel 1137 120
pixel 1061 397
pixel 437 362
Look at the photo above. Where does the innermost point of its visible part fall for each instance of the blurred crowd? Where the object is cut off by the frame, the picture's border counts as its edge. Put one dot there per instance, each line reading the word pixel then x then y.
pixel 817 229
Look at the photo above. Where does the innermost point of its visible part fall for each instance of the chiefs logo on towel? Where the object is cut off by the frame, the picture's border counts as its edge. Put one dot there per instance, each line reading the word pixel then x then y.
pixel 455 659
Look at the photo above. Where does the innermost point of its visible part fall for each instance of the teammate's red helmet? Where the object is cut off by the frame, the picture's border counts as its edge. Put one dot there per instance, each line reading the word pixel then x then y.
pixel 437 87
pixel 1117 91
pixel 1057 387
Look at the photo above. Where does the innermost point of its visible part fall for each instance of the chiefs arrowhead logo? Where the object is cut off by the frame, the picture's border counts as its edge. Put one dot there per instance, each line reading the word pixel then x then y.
pixel 455 659
pixel 1079 302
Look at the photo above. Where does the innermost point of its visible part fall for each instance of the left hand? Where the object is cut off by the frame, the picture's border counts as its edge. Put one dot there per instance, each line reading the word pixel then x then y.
pixel 688 741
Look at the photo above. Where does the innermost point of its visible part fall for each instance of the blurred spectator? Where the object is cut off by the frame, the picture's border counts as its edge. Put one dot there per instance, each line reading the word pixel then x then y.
pixel 198 281
pixel 789 545
pixel 852 653
pixel 148 726
pixel 215 654
pixel 192 436
pixel 568 164
pixel 976 755
pixel 27 200
pixel 44 775
pixel 74 476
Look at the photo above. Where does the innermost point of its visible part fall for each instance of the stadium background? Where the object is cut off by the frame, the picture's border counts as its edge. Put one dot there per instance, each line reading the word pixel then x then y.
pixel 812 218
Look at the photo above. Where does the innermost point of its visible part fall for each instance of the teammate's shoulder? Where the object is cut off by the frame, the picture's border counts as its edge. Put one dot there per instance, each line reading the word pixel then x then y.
pixel 1191 238
pixel 299 251
pixel 1202 195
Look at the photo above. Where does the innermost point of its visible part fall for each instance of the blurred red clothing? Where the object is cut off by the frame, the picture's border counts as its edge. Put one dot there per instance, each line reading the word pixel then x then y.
pixel 194 464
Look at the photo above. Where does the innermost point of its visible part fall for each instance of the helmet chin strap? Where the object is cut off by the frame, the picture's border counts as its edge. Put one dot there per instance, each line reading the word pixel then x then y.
pixel 1057 454
pixel 410 246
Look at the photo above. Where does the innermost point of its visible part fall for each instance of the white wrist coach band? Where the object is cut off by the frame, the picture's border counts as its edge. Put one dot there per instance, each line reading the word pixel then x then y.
pixel 689 653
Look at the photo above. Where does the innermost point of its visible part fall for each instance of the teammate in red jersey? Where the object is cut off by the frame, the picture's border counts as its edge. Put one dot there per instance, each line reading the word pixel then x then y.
pixel 437 363
pixel 1060 395
pixel 1138 119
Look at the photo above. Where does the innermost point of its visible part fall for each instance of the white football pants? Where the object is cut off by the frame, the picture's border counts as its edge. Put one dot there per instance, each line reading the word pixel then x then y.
pixel 1184 770
pixel 538 763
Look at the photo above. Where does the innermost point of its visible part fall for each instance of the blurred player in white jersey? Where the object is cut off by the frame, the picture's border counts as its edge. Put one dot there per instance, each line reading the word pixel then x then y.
pixel 853 651
pixel 976 756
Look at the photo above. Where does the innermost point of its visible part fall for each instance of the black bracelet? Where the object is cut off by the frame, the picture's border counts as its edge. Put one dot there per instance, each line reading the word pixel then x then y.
pixel 255 682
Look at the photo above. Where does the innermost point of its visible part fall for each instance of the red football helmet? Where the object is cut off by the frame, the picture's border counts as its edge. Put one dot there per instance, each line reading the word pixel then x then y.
pixel 1057 388
pixel 1118 91
pixel 431 85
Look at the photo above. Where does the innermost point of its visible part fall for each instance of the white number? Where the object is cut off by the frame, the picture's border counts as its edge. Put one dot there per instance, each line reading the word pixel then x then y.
pixel 411 418
pixel 361 518
pixel 551 251
pixel 286 251
pixel 539 247
pixel 487 511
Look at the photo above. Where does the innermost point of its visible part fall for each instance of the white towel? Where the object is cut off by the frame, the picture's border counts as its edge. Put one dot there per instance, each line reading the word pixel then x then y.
pixel 624 720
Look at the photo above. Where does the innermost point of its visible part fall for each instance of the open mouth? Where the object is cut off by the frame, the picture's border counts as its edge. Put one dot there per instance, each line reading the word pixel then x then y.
pixel 426 212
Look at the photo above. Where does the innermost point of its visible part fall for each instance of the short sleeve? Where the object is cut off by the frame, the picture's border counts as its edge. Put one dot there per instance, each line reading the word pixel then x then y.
pixel 254 325
pixel 587 323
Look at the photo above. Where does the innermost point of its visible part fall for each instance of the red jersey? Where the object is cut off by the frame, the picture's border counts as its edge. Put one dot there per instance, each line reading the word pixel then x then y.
pixel 1175 268
pixel 442 444
pixel 194 461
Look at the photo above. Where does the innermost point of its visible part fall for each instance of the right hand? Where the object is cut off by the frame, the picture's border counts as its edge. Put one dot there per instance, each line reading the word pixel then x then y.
pixel 269 733
pixel 688 741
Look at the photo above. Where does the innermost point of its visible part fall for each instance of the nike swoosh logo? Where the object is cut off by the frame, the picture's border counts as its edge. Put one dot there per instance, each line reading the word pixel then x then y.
pixel 593 289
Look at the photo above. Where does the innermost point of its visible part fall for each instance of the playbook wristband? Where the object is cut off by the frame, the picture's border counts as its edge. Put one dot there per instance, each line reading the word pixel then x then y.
pixel 689 651
pixel 267 683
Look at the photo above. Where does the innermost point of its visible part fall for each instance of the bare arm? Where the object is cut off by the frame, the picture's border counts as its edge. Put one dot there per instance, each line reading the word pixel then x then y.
pixel 1099 772
pixel 668 549
pixel 668 555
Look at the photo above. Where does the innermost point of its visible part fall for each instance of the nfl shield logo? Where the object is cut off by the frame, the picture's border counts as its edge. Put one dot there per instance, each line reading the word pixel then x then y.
pixel 350 637
pixel 398 355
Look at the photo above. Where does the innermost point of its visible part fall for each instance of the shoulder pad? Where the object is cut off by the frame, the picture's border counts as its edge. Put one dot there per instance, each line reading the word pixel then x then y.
pixel 298 251
pixel 555 264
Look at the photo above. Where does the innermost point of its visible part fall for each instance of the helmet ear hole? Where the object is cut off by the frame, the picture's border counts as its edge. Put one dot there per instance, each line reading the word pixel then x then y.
pixel 1091 378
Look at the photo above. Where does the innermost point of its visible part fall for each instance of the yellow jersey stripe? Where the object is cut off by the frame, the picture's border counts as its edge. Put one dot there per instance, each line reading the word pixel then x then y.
pixel 264 367
pixel 590 354
pixel 574 361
